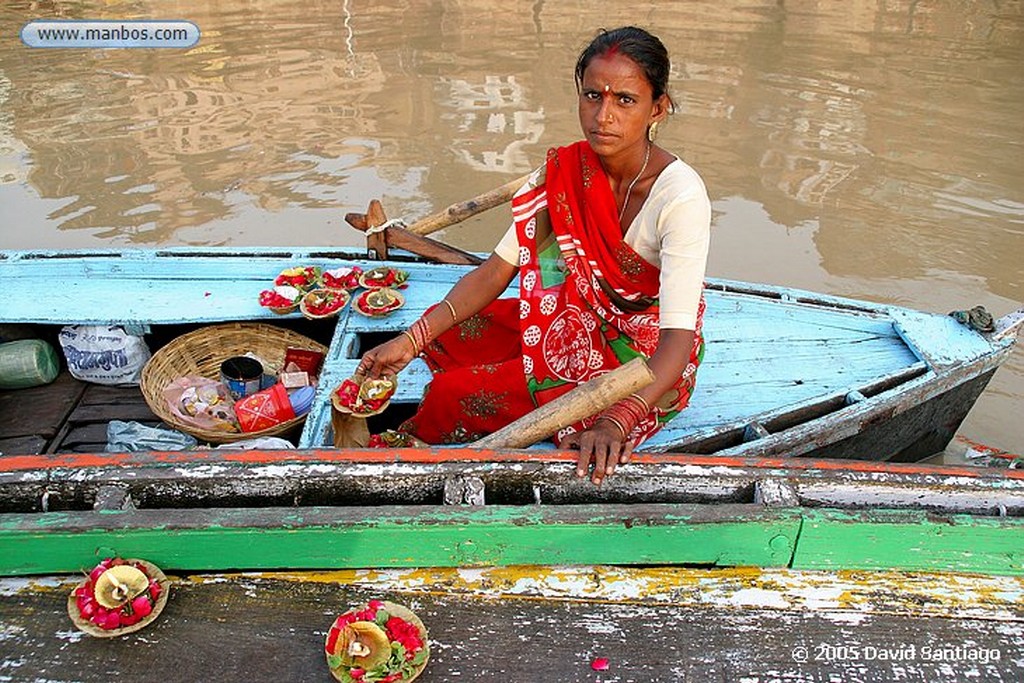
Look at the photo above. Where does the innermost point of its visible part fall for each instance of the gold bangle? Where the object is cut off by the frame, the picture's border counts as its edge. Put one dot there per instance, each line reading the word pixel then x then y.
pixel 646 405
pixel 412 340
pixel 451 309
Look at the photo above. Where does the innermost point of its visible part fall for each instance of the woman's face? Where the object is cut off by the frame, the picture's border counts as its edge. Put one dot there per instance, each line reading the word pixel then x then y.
pixel 617 105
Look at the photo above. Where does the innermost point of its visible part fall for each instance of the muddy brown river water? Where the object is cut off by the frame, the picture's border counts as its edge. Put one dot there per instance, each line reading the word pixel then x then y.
pixel 868 149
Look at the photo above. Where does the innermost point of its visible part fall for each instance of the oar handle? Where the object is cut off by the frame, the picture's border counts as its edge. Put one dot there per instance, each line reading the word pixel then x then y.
pixel 585 400
pixel 456 213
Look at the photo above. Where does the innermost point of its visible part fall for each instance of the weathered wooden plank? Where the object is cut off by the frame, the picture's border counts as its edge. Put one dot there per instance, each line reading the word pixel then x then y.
pixel 22 444
pixel 85 438
pixel 724 535
pixel 38 410
pixel 911 540
pixel 934 406
pixel 940 340
pixel 137 410
pixel 950 595
pixel 416 476
pixel 547 623
pixel 1009 325
pixel 400 537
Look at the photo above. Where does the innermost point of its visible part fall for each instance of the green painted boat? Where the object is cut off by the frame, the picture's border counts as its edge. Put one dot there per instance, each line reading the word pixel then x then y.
pixel 679 568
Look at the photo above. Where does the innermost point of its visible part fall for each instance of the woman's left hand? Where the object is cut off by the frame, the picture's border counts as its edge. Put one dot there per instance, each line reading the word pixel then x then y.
pixel 602 445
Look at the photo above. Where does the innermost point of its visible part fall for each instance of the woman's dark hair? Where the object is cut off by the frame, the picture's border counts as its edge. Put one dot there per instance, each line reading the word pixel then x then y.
pixel 643 48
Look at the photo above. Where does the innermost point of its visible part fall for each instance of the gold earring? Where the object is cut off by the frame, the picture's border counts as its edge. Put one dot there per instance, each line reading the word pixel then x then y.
pixel 652 131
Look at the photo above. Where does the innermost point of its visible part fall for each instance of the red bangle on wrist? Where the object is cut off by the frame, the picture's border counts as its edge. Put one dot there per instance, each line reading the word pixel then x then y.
pixel 627 413
pixel 419 333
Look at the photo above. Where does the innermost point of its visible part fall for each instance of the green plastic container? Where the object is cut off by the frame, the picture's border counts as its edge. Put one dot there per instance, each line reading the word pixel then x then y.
pixel 27 363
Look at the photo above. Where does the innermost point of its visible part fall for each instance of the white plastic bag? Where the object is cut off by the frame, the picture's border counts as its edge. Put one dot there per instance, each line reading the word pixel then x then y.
pixel 104 354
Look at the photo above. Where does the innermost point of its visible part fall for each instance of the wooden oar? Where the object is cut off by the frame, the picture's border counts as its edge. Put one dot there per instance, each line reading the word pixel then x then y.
pixel 585 400
pixel 456 213
pixel 400 238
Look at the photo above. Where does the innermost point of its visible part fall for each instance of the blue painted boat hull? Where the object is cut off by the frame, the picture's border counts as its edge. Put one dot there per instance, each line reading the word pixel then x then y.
pixel 787 372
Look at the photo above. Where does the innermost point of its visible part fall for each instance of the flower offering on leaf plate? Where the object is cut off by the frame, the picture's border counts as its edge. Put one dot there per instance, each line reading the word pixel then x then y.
pixel 119 596
pixel 383 276
pixel 346 277
pixel 378 302
pixel 323 303
pixel 282 299
pixel 362 396
pixel 304 278
pixel 392 438
pixel 379 642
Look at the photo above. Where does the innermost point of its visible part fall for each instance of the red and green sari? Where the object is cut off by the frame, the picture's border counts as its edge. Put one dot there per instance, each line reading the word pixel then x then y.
pixel 587 304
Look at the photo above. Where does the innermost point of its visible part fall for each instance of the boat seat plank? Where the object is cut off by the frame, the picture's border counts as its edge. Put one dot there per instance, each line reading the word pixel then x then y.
pixel 38 411
pixel 940 340
pixel 22 445
pixel 195 289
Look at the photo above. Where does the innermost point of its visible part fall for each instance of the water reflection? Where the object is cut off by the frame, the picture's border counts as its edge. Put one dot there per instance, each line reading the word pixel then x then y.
pixel 864 148
pixel 497 108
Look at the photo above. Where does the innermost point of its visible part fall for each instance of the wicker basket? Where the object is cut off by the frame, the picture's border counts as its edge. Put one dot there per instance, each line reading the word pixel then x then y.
pixel 201 353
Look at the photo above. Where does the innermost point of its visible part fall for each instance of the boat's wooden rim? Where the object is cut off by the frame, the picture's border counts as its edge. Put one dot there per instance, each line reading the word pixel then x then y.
pixel 724 535
pixel 196 458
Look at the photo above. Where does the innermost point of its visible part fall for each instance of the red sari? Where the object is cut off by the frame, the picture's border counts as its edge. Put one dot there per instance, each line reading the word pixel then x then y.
pixel 587 304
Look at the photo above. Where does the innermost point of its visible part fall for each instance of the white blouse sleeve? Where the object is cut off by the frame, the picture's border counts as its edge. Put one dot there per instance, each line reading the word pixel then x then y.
pixel 508 247
pixel 684 235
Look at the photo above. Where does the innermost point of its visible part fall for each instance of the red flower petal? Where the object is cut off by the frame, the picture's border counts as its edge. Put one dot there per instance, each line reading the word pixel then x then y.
pixel 332 640
pixel 142 606
pixel 600 664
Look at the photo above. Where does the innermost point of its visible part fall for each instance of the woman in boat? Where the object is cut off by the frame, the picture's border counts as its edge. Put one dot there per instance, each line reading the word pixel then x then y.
pixel 610 240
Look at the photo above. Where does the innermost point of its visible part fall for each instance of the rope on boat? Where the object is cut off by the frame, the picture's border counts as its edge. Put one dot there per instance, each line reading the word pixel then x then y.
pixel 390 223
pixel 977 318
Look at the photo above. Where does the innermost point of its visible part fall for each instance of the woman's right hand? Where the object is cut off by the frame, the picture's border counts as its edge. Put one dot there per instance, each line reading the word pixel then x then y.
pixel 388 359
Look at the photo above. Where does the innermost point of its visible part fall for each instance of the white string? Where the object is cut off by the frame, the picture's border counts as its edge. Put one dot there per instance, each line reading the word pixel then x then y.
pixel 390 223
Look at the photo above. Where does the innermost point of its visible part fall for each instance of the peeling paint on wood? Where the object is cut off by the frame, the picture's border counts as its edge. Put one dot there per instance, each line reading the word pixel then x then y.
pixel 726 535
pixel 410 476
pixel 910 540
pixel 549 623
pixel 713 535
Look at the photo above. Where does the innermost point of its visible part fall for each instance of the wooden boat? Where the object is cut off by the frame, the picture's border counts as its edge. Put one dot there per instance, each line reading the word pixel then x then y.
pixel 673 561
pixel 787 372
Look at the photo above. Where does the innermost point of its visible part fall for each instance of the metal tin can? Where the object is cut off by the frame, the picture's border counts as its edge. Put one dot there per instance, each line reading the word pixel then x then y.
pixel 241 375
